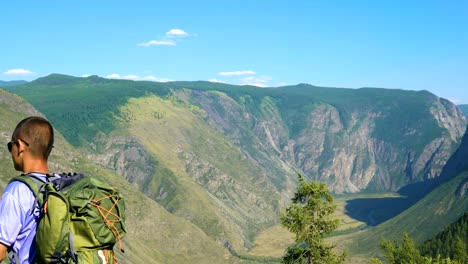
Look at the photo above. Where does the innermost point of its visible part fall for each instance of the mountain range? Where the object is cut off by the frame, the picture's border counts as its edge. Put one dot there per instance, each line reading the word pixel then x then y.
pixel 11 83
pixel 215 164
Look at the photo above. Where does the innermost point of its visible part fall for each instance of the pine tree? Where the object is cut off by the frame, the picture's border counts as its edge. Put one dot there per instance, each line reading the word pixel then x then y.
pixel 453 237
pixel 459 250
pixel 309 217
pixel 407 253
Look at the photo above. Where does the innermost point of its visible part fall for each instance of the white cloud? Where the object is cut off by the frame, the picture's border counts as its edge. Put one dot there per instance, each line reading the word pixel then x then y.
pixel 234 73
pixel 158 43
pixel 21 72
pixel 137 78
pixel 155 79
pixel 171 38
pixel 113 76
pixel 215 81
pixel 177 33
pixel 455 100
pixel 257 84
pixel 85 75
pixel 260 82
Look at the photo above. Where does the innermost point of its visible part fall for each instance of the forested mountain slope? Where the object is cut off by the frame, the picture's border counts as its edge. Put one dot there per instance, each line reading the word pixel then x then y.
pixel 225 157
pixel 11 83
pixel 450 242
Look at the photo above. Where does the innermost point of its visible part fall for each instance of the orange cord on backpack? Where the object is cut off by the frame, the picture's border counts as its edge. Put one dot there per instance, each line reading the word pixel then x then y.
pixel 107 254
pixel 110 223
pixel 46 204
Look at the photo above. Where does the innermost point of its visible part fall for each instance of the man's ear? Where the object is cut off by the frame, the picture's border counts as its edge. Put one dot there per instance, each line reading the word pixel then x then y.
pixel 22 146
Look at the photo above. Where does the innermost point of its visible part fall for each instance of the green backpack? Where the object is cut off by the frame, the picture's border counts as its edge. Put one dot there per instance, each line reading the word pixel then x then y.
pixel 82 219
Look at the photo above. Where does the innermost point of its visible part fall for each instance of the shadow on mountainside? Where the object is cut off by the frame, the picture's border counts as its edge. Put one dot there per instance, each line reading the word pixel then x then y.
pixel 374 211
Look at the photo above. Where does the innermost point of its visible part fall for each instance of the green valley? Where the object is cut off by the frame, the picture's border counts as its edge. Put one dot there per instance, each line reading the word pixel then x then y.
pixel 208 167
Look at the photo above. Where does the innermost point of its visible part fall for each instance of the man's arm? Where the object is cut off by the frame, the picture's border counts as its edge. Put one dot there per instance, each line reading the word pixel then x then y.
pixel 3 251
pixel 10 217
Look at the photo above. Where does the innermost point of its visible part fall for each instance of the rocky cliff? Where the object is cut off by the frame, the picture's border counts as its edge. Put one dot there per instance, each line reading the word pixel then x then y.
pixel 351 149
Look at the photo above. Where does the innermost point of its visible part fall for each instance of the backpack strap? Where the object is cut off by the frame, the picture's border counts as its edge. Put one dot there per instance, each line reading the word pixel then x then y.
pixel 34 183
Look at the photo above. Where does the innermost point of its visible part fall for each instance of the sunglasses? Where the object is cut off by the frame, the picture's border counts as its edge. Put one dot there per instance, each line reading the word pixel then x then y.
pixel 10 144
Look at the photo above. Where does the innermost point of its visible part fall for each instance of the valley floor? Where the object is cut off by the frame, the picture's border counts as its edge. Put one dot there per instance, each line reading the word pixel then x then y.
pixel 357 212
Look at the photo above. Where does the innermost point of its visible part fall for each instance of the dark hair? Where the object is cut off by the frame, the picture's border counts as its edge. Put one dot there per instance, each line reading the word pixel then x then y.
pixel 38 133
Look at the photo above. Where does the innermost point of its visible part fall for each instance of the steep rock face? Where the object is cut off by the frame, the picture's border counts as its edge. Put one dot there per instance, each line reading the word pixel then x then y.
pixel 458 162
pixel 327 151
pixel 342 150
pixel 447 116
pixel 125 156
pixel 349 159
pixel 259 137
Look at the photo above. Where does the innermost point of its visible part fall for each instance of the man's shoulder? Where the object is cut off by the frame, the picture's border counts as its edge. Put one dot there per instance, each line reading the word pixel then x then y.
pixel 38 176
pixel 16 195
pixel 18 184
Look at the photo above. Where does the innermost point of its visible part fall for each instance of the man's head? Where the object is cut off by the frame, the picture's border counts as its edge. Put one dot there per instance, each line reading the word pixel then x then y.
pixel 33 135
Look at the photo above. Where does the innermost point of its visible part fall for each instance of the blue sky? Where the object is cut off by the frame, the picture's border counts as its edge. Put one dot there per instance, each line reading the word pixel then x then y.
pixel 414 45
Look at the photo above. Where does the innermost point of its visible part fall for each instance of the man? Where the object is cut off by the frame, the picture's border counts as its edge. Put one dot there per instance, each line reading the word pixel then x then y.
pixel 30 146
